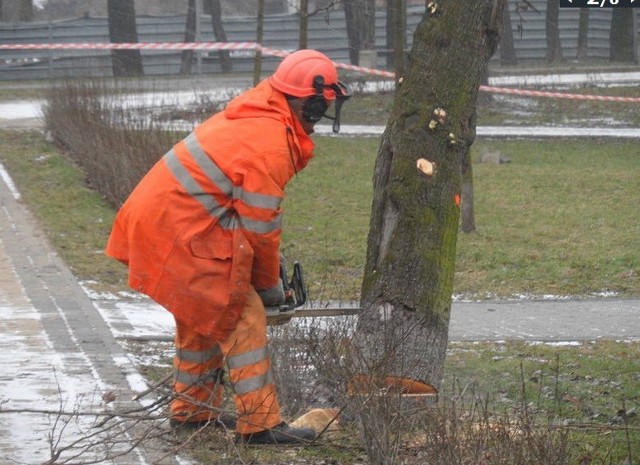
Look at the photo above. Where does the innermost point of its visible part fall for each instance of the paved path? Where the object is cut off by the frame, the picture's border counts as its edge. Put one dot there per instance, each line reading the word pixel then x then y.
pixel 56 350
pixel 546 320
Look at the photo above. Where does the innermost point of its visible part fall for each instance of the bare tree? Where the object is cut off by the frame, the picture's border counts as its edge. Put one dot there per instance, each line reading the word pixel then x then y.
pixel 257 69
pixel 622 41
pixel 583 34
pixel 507 46
pixel 304 14
pixel 214 8
pixel 122 29
pixel 303 32
pixel 408 279
pixel 554 48
pixel 360 16
pixel 16 10
pixel 189 36
pixel 396 34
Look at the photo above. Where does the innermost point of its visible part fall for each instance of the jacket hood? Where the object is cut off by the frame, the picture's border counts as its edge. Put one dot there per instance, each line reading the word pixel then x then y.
pixel 264 101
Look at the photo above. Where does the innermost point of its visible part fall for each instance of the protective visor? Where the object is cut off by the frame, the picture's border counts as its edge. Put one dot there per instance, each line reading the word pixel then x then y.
pixel 340 92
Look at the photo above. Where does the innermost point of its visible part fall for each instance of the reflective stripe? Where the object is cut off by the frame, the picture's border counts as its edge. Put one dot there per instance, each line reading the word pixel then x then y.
pixel 190 379
pixel 192 187
pixel 215 175
pixel 219 179
pixel 198 356
pixel 255 199
pixel 248 358
pixel 262 227
pixel 253 384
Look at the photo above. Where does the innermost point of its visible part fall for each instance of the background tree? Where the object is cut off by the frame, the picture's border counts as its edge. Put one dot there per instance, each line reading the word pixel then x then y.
pixel 396 34
pixel 408 279
pixel 583 34
pixel 303 31
pixel 257 68
pixel 122 29
pixel 189 36
pixel 16 10
pixel 360 16
pixel 554 47
pixel 622 38
pixel 214 8
pixel 507 45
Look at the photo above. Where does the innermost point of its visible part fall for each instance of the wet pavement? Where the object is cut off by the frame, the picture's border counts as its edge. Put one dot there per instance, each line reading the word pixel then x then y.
pixel 57 352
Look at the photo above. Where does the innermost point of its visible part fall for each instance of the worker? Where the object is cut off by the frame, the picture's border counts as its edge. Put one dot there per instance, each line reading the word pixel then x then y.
pixel 200 235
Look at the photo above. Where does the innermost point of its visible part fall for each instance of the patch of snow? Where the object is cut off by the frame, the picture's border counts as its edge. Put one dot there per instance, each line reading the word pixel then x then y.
pixel 21 109
pixel 556 343
pixel 9 182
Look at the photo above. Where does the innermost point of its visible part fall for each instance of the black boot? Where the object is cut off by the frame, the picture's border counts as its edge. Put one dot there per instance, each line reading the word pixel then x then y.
pixel 280 434
pixel 224 421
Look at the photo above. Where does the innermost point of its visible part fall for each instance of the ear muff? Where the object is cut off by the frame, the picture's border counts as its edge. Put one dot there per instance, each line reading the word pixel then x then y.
pixel 316 106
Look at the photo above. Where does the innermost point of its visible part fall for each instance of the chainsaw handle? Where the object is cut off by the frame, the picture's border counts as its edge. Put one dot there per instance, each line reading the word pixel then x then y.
pixel 298 285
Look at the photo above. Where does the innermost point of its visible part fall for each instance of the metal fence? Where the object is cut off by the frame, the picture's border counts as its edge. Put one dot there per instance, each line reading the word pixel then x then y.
pixel 326 33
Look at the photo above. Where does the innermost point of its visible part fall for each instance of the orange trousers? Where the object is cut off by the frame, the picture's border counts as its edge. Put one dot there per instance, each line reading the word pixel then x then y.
pixel 198 364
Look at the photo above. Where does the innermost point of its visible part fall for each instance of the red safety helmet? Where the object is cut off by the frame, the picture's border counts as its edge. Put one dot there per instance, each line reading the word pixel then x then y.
pixel 296 74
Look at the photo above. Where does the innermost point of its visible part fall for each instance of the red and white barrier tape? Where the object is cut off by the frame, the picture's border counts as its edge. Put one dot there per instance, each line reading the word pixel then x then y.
pixel 136 46
pixel 284 53
pixel 538 93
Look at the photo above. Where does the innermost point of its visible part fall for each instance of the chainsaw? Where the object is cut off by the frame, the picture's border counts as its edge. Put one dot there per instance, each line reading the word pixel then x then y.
pixel 295 291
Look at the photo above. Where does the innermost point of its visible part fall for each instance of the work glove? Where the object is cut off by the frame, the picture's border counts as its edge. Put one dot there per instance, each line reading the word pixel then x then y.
pixel 273 297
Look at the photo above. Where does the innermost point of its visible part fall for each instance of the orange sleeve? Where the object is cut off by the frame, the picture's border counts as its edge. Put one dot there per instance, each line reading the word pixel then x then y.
pixel 258 204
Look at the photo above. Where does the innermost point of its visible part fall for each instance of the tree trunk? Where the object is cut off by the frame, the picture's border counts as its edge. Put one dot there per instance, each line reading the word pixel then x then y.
pixel 14 11
pixel 257 68
pixel 468 218
pixel 554 48
pixel 360 16
pixel 122 29
pixel 583 34
pixel 396 34
pixel 507 46
pixel 189 36
pixel 408 279
pixel 219 33
pixel 621 38
pixel 303 32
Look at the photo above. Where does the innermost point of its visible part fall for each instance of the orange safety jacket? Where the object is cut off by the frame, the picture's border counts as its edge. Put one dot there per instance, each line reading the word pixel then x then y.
pixel 204 223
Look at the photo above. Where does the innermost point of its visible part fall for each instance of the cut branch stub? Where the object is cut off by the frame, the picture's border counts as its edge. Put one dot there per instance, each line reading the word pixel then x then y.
pixel 426 167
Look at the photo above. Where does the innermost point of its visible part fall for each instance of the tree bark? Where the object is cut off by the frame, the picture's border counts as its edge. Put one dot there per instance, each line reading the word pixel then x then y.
pixel 303 32
pixel 122 29
pixel 14 11
pixel 507 46
pixel 468 218
pixel 360 16
pixel 408 280
pixel 219 33
pixel 583 34
pixel 554 47
pixel 396 34
pixel 257 68
pixel 621 38
pixel 189 36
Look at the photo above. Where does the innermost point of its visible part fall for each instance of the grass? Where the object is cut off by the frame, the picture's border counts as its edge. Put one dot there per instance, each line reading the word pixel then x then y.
pixel 589 388
pixel 560 219
pixel 75 218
